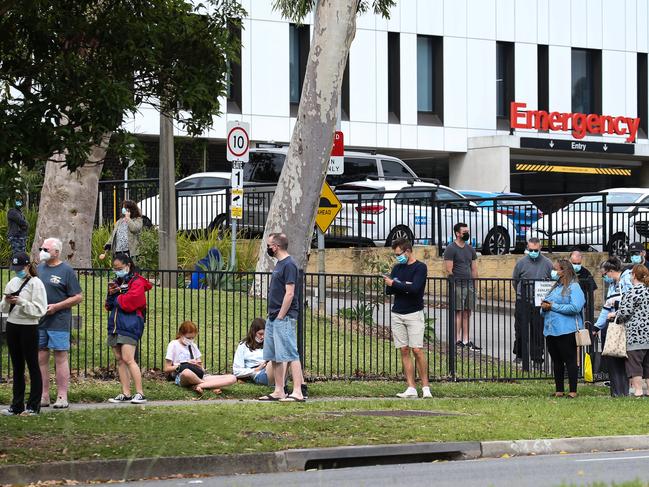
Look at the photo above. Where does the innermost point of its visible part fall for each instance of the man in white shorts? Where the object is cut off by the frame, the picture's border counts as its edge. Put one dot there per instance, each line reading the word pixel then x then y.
pixel 407 283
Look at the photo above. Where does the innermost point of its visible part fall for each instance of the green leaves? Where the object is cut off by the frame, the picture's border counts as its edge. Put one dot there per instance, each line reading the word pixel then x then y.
pixel 296 10
pixel 73 71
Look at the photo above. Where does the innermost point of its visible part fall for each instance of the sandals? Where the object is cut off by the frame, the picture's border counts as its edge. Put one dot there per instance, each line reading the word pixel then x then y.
pixel 268 398
pixel 291 398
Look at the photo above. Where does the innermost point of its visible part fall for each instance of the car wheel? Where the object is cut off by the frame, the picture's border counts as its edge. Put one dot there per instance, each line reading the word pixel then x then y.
pixel 220 224
pixel 400 231
pixel 496 243
pixel 619 246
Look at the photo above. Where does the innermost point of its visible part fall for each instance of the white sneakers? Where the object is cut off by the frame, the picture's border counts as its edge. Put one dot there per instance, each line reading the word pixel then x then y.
pixel 411 393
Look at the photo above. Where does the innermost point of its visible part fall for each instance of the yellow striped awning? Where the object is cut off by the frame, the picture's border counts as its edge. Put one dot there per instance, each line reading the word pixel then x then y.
pixel 573 169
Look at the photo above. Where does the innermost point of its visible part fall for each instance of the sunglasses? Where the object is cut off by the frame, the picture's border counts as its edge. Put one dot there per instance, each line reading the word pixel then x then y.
pixel 44 249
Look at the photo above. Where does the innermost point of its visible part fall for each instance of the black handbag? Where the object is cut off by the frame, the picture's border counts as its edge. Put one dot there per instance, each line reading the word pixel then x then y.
pixel 196 369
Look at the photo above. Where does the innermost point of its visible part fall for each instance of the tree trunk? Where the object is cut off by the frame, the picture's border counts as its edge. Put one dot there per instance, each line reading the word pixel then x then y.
pixel 168 254
pixel 296 199
pixel 68 205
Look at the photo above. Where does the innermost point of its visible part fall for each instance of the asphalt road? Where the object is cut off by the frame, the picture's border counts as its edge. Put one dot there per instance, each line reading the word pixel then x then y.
pixel 548 470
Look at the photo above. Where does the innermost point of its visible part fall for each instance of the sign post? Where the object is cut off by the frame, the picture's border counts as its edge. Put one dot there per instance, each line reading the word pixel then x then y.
pixel 238 145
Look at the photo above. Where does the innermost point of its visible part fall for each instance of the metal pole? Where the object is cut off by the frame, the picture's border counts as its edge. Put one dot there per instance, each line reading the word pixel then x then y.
pixel 167 257
pixel 233 251
pixel 321 269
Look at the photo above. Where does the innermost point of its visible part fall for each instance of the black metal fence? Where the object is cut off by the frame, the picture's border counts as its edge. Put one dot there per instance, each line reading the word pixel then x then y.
pixel 375 216
pixel 344 328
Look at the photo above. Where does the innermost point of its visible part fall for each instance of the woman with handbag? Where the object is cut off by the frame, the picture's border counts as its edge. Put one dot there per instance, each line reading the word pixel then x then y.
pixel 619 283
pixel 561 311
pixel 634 315
pixel 184 366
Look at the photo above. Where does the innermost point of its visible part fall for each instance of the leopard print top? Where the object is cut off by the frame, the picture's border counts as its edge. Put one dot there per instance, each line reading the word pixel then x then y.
pixel 634 313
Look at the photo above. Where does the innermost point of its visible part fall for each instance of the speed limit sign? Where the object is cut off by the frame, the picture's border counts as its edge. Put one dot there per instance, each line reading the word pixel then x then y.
pixel 238 141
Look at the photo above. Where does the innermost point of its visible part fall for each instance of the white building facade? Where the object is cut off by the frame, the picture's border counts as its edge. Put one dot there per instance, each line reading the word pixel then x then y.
pixel 434 85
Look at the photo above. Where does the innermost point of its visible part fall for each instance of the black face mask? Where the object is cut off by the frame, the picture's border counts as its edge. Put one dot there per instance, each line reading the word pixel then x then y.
pixel 270 251
pixel 466 237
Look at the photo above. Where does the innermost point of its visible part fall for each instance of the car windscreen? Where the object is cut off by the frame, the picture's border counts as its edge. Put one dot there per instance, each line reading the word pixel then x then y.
pixel 594 202
pixel 413 197
pixel 264 167
pixel 351 194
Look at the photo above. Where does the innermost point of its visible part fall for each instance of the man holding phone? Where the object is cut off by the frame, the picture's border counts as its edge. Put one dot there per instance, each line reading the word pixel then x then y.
pixel 407 283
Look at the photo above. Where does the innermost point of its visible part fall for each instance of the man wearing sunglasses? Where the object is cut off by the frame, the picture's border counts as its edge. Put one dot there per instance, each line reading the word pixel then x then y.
pixel 63 293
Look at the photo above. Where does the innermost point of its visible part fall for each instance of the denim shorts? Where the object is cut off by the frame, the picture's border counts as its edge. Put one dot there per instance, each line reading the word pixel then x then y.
pixel 57 340
pixel 280 341
pixel 261 378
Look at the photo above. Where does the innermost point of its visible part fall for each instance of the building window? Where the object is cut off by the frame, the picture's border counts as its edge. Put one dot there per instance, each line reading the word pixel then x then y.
pixel 642 95
pixel 394 77
pixel 299 44
pixel 586 81
pixel 344 95
pixel 234 76
pixel 430 81
pixel 543 83
pixel 504 82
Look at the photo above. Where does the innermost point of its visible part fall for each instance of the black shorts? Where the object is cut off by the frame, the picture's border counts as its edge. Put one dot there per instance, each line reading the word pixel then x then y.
pixel 637 363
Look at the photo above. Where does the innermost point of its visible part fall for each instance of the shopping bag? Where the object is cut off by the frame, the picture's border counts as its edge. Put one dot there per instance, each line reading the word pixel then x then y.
pixel 588 368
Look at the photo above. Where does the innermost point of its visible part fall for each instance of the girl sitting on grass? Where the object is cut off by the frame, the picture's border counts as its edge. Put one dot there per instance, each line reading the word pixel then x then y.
pixel 249 361
pixel 183 363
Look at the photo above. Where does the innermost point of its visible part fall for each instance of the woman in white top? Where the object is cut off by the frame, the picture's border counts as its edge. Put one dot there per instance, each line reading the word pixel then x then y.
pixel 25 302
pixel 183 362
pixel 249 361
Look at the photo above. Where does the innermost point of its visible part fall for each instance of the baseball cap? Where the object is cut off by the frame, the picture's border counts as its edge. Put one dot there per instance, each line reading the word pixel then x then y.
pixel 636 247
pixel 19 261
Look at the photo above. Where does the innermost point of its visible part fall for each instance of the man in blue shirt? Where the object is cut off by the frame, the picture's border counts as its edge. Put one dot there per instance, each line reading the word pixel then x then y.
pixel 407 283
pixel 280 341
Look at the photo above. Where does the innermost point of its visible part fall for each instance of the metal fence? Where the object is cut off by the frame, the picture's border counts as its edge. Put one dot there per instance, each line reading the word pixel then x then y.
pixel 344 329
pixel 423 214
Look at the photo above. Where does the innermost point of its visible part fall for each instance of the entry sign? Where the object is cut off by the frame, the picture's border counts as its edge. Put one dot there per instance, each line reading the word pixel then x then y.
pixel 238 141
pixel 541 291
pixel 337 159
pixel 328 208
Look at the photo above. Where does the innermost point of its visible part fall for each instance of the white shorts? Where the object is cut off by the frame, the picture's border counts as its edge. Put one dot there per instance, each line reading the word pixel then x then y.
pixel 408 329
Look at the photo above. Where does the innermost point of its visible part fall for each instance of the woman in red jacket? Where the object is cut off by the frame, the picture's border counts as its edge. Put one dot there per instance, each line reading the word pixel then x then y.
pixel 126 302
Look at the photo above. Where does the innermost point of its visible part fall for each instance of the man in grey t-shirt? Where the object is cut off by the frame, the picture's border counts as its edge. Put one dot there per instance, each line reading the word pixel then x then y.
pixel 63 293
pixel 461 265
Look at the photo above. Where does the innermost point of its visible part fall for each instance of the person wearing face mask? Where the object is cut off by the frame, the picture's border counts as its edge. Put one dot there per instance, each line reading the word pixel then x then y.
pixel 561 310
pixel 532 267
pixel 25 302
pixel 126 304
pixel 125 238
pixel 183 363
pixel 407 283
pixel 17 227
pixel 586 281
pixel 63 293
pixel 461 266
pixel 249 363
pixel 619 282
pixel 638 254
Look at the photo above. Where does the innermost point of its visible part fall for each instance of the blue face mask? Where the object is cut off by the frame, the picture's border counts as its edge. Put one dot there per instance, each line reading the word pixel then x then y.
pixel 123 211
pixel 554 275
pixel 608 280
pixel 122 273
pixel 534 254
pixel 402 259
pixel 21 274
pixel 576 267
pixel 19 204
pixel 636 259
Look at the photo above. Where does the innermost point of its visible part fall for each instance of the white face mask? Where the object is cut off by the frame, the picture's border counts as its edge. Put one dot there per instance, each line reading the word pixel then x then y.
pixel 188 341
pixel 258 340
pixel 44 256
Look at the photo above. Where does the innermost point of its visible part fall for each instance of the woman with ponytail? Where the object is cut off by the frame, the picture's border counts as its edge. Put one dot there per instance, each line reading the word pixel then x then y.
pixel 634 314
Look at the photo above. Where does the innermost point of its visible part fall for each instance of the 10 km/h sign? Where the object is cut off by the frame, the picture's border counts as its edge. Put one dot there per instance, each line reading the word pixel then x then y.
pixel 238 141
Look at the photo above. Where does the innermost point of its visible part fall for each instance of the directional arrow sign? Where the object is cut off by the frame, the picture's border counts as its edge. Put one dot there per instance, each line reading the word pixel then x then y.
pixel 551 143
pixel 328 208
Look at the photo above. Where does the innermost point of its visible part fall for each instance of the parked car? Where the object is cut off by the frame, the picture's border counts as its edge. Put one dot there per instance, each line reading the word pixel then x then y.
pixel 585 224
pixel 265 167
pixel 378 212
pixel 201 202
pixel 520 211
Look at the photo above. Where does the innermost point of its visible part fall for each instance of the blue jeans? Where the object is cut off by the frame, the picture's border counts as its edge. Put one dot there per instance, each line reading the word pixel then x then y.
pixel 280 340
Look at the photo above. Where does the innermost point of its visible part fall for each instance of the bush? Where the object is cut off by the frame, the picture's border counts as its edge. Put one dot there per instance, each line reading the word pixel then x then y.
pixel 99 238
